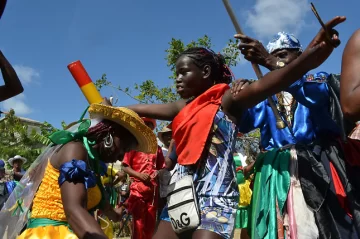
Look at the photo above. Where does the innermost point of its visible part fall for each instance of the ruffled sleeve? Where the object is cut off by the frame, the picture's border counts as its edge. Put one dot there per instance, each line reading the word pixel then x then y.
pixel 311 90
pixel 76 171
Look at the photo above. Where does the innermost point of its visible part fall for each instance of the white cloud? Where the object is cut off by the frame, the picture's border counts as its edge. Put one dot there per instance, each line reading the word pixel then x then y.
pixel 26 74
pixel 271 16
pixel 18 104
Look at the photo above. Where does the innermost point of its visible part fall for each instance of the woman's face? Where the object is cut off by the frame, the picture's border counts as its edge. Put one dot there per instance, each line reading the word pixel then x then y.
pixel 123 142
pixel 190 79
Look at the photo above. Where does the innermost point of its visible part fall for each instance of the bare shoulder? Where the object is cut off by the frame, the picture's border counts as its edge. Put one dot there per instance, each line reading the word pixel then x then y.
pixel 354 42
pixel 68 152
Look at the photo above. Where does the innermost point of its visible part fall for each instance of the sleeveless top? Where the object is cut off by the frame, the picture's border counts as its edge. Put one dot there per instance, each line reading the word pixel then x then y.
pixel 214 174
pixel 47 202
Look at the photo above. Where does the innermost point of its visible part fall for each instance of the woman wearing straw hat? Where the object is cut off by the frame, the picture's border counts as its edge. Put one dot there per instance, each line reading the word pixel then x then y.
pixel 59 200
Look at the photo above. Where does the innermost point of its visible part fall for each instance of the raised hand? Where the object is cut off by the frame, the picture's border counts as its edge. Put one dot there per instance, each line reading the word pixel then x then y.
pixel 320 48
pixel 255 52
pixel 238 85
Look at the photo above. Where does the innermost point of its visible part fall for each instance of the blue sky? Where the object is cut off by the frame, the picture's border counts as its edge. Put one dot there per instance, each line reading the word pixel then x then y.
pixel 127 41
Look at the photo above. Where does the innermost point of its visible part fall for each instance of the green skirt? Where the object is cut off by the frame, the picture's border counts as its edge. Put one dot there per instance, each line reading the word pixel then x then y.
pixel 241 218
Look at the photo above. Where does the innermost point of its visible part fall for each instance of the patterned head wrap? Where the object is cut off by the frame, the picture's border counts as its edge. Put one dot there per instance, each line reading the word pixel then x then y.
pixel 283 40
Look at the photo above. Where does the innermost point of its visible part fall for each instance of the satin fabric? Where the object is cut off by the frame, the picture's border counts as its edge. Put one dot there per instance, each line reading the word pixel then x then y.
pixel 271 189
pixel 142 202
pixel 53 232
pixel 77 171
pixel 301 218
pixel 320 195
pixel 191 127
pixel 311 116
pixel 144 163
pixel 144 217
pixel 245 196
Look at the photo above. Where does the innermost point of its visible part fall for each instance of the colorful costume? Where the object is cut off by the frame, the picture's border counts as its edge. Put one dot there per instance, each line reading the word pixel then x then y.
pixel 295 179
pixel 143 200
pixel 245 195
pixel 47 215
pixel 36 201
pixel 214 169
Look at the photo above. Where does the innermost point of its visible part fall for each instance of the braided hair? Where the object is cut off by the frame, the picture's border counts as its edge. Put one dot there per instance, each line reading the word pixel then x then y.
pixel 101 130
pixel 201 56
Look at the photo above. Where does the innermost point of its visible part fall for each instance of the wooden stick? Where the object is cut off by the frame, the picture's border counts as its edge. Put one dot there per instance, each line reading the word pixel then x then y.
pixel 279 122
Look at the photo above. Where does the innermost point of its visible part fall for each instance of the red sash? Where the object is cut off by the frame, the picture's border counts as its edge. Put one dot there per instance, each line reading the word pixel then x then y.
pixel 191 127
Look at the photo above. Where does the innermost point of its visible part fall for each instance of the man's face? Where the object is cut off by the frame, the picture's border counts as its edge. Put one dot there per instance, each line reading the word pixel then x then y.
pixel 17 163
pixel 167 136
pixel 286 55
pixel 2 172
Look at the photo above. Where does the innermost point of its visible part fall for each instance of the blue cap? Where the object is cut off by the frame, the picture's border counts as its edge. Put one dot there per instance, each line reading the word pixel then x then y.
pixel 2 164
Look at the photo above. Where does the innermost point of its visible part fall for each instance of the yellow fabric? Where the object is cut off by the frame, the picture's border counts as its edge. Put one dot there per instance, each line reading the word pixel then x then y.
pixel 47 202
pixel 111 172
pixel 107 227
pixel 245 194
pixel 48 232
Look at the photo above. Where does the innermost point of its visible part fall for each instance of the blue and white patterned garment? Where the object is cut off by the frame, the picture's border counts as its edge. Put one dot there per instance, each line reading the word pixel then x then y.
pixel 215 179
pixel 283 40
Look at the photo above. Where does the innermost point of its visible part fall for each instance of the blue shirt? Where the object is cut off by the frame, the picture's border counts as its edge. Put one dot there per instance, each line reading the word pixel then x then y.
pixel 311 115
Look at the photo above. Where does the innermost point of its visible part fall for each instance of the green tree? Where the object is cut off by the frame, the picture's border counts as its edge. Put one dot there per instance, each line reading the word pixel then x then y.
pixel 16 138
pixel 148 92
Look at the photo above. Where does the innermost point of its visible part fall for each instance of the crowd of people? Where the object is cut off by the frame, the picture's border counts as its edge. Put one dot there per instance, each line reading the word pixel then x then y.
pixel 189 180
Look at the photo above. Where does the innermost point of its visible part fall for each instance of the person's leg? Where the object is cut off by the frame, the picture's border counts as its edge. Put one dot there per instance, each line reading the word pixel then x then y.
pixel 138 212
pixel 204 234
pixel 244 234
pixel 150 220
pixel 165 231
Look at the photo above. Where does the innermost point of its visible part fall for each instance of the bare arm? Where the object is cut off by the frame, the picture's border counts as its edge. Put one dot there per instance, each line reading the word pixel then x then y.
pixel 350 78
pixel 114 214
pixel 169 165
pixel 74 196
pixel 315 54
pixel 12 85
pixel 159 111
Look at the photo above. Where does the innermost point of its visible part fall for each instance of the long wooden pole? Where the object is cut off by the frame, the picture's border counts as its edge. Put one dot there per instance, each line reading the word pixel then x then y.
pixel 279 122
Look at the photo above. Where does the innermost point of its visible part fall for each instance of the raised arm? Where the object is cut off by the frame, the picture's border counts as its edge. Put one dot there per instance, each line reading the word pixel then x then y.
pixel 315 54
pixel 159 111
pixel 12 85
pixel 350 78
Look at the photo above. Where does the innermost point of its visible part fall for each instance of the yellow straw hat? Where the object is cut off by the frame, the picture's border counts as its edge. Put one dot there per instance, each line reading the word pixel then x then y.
pixel 131 121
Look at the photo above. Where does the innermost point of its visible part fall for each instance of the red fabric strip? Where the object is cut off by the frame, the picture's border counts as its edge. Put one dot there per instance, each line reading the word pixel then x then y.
pixel 191 127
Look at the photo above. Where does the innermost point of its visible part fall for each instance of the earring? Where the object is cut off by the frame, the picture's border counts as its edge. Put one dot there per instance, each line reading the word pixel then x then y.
pixel 108 141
